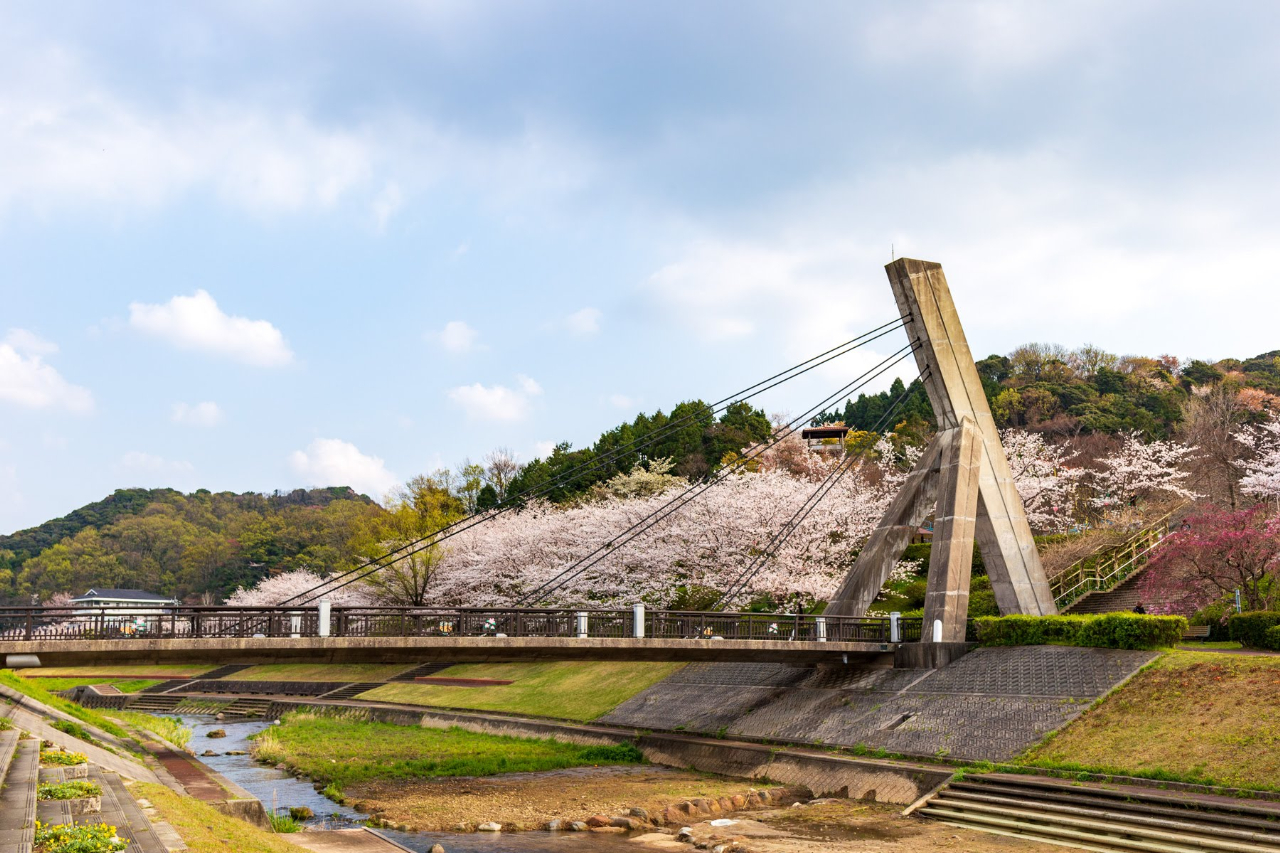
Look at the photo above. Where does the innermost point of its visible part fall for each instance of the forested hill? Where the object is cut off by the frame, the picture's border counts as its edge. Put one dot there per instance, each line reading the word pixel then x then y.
pixel 1050 389
pixel 163 540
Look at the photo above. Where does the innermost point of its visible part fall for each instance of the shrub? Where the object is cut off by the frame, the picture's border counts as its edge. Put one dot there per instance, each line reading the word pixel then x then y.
pixel 73 790
pixel 1110 631
pixel 5 724
pixel 78 838
pixel 1273 638
pixel 284 823
pixel 1250 629
pixel 77 731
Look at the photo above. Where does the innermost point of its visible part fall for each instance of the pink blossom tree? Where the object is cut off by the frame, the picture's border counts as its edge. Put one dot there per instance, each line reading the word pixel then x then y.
pixel 1262 471
pixel 1213 555
pixel 277 589
pixel 1141 470
pixel 1045 480
pixel 707 543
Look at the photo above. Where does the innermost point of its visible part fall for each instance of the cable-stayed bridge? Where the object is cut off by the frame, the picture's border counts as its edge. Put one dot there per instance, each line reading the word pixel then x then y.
pixel 963 480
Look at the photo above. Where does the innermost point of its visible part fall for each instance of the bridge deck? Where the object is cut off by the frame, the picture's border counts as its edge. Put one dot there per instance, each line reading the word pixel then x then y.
pixel 421 649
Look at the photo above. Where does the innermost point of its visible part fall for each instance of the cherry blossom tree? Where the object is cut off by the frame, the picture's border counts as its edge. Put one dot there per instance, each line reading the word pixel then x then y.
pixel 1213 555
pixel 708 543
pixel 1262 472
pixel 277 589
pixel 1043 477
pixel 1140 470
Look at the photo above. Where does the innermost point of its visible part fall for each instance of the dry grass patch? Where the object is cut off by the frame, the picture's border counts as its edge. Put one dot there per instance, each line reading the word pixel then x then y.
pixel 321 672
pixel 567 690
pixel 1192 716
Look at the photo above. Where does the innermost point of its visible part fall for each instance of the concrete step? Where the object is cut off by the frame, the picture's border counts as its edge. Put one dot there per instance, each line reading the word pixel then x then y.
pixel 247 708
pixel 420 671
pixel 165 686
pixel 349 691
pixel 18 797
pixel 1114 819
pixel 224 671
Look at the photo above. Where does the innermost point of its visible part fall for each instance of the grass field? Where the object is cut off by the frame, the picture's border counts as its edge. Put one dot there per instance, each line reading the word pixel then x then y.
pixel 565 690
pixel 1191 716
pixel 140 671
pixel 33 689
pixel 321 672
pixel 167 727
pixel 207 830
pixel 124 685
pixel 343 751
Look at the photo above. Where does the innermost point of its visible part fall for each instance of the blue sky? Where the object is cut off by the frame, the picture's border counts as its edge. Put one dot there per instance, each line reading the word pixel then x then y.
pixel 254 245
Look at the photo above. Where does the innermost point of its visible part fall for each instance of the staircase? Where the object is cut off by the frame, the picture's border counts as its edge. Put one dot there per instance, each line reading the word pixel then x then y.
pixel 247 708
pixel 19 768
pixel 165 686
pixel 1110 819
pixel 349 691
pixel 419 672
pixel 154 703
pixel 1124 596
pixel 1084 587
pixel 224 671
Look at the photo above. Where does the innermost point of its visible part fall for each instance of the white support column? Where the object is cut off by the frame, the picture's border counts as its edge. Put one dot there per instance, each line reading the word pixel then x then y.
pixel 295 625
pixel 324 616
pixel 821 625
pixel 895 632
pixel 937 630
pixel 582 625
pixel 637 621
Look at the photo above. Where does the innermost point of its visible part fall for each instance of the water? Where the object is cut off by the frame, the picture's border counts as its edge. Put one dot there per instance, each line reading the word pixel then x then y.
pixel 275 787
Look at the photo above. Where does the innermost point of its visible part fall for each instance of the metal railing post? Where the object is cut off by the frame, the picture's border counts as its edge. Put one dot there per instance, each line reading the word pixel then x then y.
pixel 582 624
pixel 895 632
pixel 325 611
pixel 821 624
pixel 637 621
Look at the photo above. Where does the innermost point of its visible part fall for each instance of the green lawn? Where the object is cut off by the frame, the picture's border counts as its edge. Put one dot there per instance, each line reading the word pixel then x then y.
pixel 321 672
pixel 156 671
pixel 1191 716
pixel 168 728
pixel 33 689
pixel 124 685
pixel 567 690
pixel 344 751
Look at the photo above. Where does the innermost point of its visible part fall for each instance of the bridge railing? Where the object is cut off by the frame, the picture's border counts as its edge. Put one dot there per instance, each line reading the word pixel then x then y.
pixel 40 623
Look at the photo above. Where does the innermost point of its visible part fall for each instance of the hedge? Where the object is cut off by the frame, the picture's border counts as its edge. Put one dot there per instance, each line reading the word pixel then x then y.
pixel 1251 629
pixel 1273 638
pixel 1109 631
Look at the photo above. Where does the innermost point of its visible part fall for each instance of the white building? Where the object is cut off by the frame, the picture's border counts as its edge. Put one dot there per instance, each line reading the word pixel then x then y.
pixel 123 603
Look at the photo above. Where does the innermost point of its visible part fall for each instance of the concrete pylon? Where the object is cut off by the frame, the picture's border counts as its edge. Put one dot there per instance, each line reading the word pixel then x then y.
pixel 963 479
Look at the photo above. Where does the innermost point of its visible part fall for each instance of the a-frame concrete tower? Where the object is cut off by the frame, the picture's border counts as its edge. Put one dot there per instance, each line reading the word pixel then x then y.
pixel 963 480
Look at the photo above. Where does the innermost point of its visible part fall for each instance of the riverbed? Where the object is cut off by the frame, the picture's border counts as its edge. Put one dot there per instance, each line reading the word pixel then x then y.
pixel 279 790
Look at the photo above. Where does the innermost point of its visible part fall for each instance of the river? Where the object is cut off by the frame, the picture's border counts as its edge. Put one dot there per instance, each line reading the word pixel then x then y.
pixel 279 790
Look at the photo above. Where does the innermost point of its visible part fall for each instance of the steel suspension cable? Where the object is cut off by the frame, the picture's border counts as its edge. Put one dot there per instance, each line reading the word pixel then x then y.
pixel 584 468
pixel 697 490
pixel 802 512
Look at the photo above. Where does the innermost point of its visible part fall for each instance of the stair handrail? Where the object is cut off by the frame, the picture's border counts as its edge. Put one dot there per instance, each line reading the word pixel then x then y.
pixel 1108 572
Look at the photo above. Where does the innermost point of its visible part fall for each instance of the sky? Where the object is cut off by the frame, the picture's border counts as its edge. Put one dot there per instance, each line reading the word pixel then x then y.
pixel 269 245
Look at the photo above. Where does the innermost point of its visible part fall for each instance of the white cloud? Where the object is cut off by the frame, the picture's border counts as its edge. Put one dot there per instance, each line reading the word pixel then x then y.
pixel 29 342
pixel 137 461
pixel 204 414
pixel 27 381
pixel 497 402
pixel 621 401
pixel 543 449
pixel 333 462
pixel 197 323
pixel 456 337
pixel 584 323
pixel 387 204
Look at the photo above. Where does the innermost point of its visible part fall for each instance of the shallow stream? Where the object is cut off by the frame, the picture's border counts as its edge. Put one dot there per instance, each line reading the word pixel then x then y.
pixel 280 791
